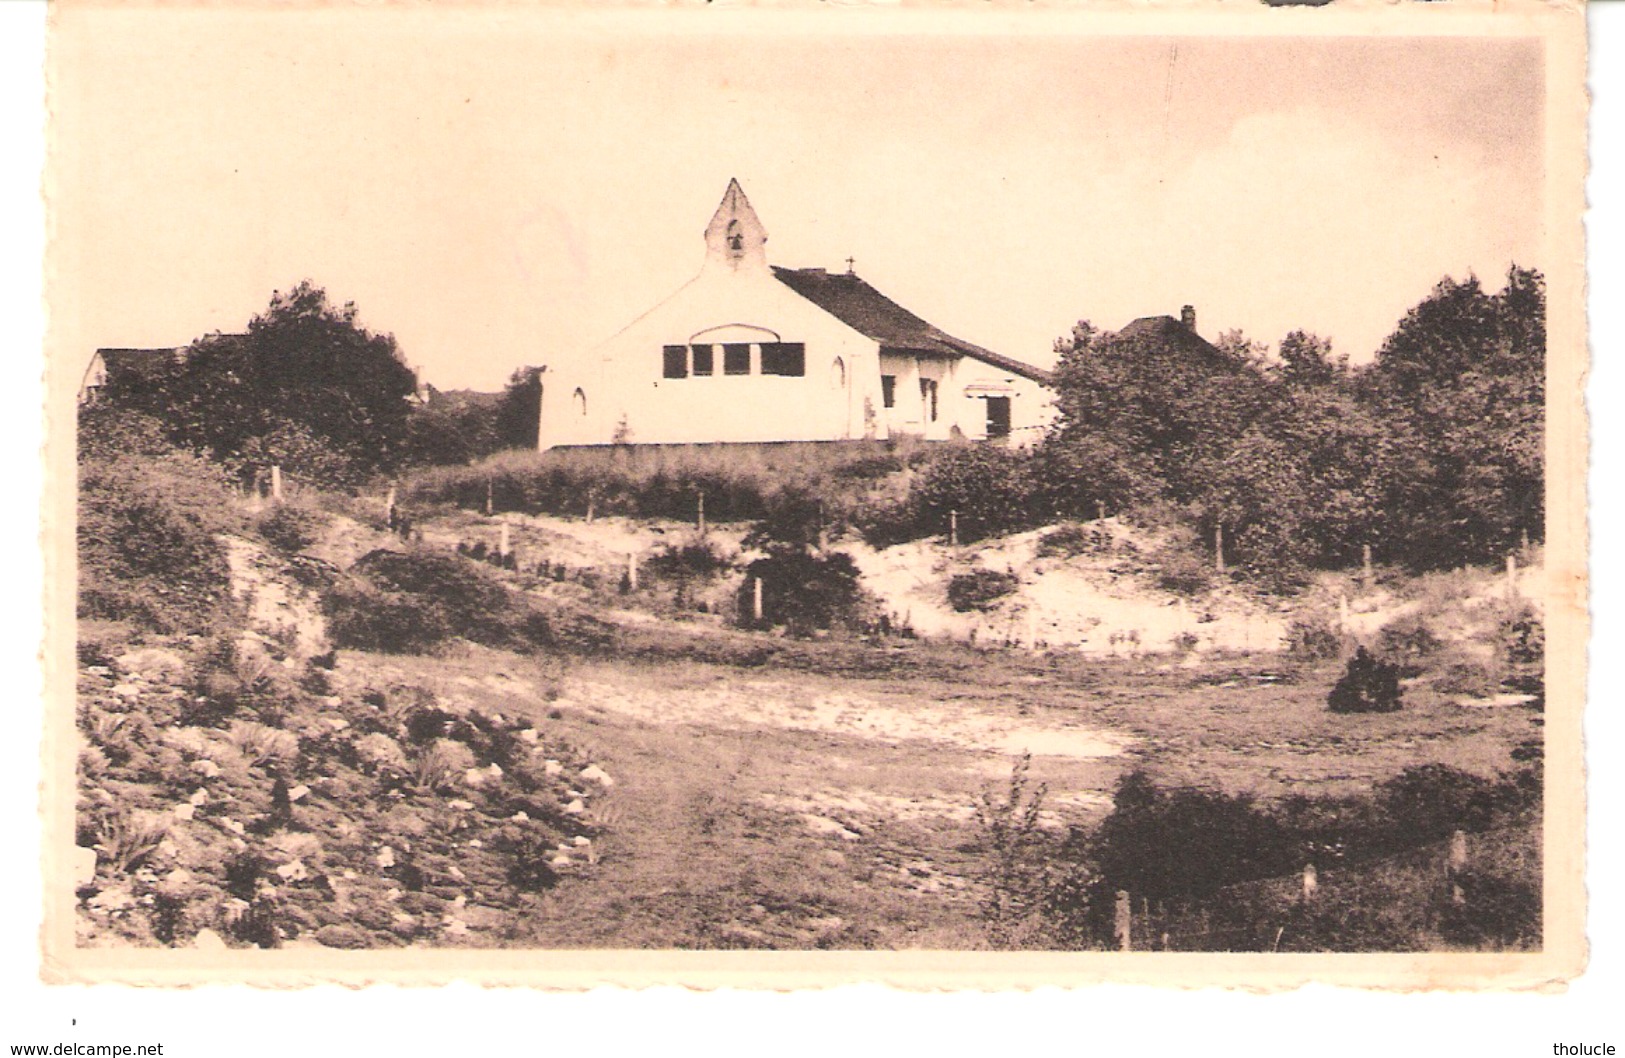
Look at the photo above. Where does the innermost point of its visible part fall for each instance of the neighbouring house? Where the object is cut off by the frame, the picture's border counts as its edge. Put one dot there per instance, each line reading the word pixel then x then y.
pixel 751 352
pixel 125 365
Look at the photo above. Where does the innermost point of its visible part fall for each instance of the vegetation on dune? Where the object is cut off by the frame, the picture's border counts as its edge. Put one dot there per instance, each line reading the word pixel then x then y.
pixel 231 786
pixel 1205 870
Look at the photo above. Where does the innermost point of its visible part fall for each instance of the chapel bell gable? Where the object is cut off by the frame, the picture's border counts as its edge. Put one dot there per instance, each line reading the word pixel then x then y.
pixel 735 238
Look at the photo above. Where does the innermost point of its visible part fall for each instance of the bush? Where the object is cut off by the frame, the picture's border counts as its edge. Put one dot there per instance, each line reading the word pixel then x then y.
pixel 1523 638
pixel 1461 672
pixel 404 602
pixel 1408 642
pixel 992 489
pixel 1495 911
pixel 1160 844
pixel 1071 540
pixel 292 527
pixel 980 589
pixel 682 561
pixel 1183 573
pixel 1315 638
pixel 148 541
pixel 1367 686
pixel 804 591
pixel 1428 802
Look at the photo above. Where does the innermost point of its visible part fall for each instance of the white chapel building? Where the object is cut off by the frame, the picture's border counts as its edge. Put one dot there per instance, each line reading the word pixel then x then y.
pixel 748 352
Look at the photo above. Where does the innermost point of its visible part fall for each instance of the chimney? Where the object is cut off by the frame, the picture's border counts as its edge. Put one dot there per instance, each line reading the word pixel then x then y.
pixel 1187 316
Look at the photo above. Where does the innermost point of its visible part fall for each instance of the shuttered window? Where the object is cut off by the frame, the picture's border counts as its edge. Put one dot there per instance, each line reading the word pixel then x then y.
pixel 704 363
pixel 784 358
pixel 735 359
pixel 676 362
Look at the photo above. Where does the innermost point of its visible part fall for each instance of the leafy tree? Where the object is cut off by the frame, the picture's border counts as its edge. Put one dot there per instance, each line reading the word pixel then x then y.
pixel 1306 360
pixel 306 384
pixel 454 428
pixel 1461 386
pixel 518 414
pixel 1170 402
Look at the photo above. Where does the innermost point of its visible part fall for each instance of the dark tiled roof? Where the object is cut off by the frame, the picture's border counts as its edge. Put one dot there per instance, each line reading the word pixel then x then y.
pixel 871 313
pixel 1167 329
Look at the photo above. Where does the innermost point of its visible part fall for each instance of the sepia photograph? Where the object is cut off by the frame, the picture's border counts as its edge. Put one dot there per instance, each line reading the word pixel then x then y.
pixel 938 491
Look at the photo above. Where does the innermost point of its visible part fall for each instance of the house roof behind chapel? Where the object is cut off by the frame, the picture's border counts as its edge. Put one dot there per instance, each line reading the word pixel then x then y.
pixel 869 312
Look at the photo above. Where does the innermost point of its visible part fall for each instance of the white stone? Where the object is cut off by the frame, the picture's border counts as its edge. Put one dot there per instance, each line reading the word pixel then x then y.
pixel 519 817
pixel 529 734
pixel 386 857
pixel 199 797
pixel 581 842
pixel 298 792
pixel 553 768
pixel 186 811
pixel 575 807
pixel 111 900
pixel 206 768
pixel 459 804
pixel 126 690
pixel 475 776
pixel 455 872
pixel 593 773
pixel 338 723
pixel 561 860
pixel 476 843
pixel 233 826
pixel 293 872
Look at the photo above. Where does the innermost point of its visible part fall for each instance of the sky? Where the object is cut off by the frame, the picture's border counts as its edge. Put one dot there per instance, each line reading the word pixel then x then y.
pixel 498 190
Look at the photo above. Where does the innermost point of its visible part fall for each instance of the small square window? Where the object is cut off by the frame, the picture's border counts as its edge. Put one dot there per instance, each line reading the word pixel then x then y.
pixel 888 391
pixel 704 364
pixel 676 362
pixel 735 359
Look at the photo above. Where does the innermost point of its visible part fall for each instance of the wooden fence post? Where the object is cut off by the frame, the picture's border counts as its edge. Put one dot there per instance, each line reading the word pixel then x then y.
pixel 1124 923
pixel 504 543
pixel 488 497
pixel 1455 864
pixel 1365 566
pixel 953 528
pixel 700 515
pixel 1100 511
pixel 1512 575
pixel 632 569
pixel 1343 612
pixel 1218 548
pixel 1311 882
pixel 756 599
pixel 389 508
pixel 276 483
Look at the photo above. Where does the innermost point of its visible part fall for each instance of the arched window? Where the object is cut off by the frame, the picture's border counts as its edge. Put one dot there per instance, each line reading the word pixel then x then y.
pixel 578 400
pixel 837 374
